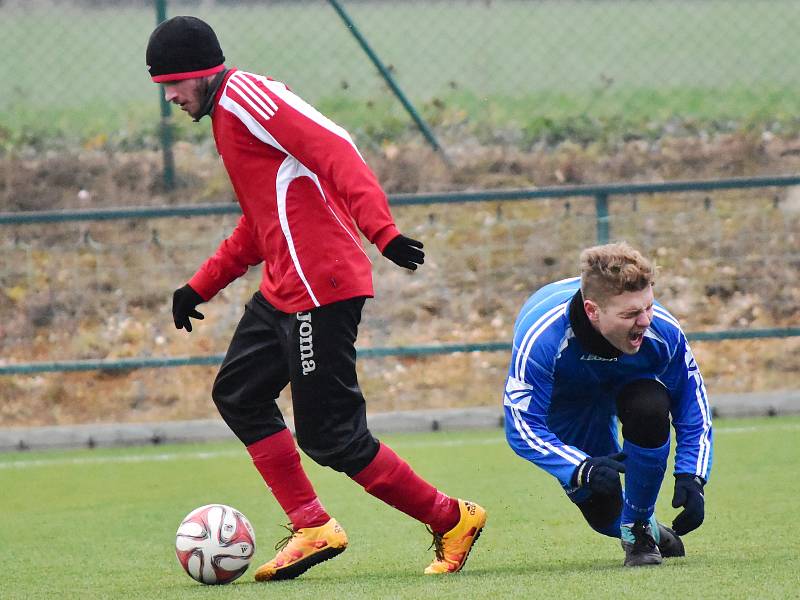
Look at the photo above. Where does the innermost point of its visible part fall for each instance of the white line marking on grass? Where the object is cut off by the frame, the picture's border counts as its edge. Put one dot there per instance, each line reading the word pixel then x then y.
pixel 168 456
pixel 133 458
pixel 758 428
pixel 451 443
pixel 431 443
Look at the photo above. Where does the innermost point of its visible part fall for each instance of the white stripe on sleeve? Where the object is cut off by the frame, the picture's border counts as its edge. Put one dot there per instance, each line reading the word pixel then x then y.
pixel 660 312
pixel 304 108
pixel 250 83
pixel 254 100
pixel 521 427
pixel 701 398
pixel 250 122
pixel 547 319
pixel 534 441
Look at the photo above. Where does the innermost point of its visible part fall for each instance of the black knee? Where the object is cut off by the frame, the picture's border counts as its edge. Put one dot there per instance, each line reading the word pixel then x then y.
pixel 602 512
pixel 349 456
pixel 224 393
pixel 231 396
pixel 249 415
pixel 643 409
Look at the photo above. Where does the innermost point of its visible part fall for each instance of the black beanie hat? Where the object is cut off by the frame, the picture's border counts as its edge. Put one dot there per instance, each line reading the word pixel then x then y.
pixel 183 48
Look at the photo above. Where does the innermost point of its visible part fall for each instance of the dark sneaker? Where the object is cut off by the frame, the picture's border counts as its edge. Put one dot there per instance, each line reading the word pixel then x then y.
pixel 669 544
pixel 639 544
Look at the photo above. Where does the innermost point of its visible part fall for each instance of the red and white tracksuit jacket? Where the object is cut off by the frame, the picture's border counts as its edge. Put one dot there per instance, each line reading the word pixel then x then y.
pixel 303 188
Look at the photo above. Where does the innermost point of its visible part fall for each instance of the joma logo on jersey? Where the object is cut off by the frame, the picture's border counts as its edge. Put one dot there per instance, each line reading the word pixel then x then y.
pixel 306 343
pixel 599 358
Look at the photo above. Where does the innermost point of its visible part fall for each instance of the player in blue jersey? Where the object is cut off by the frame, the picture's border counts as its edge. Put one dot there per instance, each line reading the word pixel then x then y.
pixel 593 349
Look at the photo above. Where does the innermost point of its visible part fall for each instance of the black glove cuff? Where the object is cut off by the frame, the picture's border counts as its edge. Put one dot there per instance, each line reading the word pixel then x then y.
pixel 577 477
pixel 691 477
pixel 187 294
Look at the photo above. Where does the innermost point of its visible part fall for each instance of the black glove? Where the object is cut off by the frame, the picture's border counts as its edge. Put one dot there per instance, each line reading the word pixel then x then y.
pixel 600 473
pixel 184 302
pixel 405 252
pixel 689 495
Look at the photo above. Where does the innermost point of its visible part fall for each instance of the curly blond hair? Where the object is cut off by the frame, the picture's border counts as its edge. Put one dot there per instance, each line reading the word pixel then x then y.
pixel 611 269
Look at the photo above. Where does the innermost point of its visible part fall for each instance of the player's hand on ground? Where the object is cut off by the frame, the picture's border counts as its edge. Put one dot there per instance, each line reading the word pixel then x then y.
pixel 405 252
pixel 689 495
pixel 600 473
pixel 184 303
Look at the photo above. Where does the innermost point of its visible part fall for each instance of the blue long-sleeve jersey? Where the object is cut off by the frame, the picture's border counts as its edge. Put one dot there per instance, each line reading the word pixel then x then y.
pixel 560 398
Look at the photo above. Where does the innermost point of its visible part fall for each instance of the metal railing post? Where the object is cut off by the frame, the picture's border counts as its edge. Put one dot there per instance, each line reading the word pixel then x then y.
pixel 165 126
pixel 601 212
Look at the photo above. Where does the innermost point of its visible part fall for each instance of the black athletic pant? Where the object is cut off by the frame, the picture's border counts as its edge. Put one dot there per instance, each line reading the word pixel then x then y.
pixel 313 351
pixel 643 410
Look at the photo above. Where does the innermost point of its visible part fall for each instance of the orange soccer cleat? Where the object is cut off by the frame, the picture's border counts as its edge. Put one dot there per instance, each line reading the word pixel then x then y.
pixel 452 548
pixel 303 549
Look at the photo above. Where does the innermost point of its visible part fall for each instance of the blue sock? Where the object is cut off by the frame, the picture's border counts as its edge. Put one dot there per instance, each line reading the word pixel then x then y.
pixel 644 472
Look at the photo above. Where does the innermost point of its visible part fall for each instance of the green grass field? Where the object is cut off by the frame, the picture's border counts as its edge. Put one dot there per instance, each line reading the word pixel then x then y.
pixel 530 66
pixel 101 524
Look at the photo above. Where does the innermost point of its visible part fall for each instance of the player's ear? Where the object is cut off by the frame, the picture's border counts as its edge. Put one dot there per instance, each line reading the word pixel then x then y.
pixel 592 310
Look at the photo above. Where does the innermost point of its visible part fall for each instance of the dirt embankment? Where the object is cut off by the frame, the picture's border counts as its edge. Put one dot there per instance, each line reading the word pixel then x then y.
pixel 102 290
pixel 54 179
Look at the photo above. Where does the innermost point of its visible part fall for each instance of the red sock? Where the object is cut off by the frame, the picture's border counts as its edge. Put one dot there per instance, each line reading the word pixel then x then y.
pixel 278 461
pixel 389 478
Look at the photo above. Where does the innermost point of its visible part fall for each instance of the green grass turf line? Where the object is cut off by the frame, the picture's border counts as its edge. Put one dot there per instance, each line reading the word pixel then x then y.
pixel 101 524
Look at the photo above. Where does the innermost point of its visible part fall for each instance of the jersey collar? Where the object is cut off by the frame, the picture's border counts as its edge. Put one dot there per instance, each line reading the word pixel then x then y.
pixel 211 94
pixel 588 337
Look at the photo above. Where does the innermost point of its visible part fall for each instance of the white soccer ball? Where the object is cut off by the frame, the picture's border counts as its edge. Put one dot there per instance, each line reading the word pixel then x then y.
pixel 215 544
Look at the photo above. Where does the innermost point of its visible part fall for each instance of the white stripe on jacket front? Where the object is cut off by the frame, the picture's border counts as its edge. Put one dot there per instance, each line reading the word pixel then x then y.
pixel 290 170
pixel 258 130
pixel 286 173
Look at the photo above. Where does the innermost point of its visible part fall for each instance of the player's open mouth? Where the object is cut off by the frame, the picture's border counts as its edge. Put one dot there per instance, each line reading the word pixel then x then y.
pixel 636 337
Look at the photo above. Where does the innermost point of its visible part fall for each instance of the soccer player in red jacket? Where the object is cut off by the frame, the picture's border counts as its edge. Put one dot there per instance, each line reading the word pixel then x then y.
pixel 305 191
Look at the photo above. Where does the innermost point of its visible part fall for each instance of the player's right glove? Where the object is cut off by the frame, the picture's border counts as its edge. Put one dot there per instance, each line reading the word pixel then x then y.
pixel 600 473
pixel 405 252
pixel 689 495
pixel 184 305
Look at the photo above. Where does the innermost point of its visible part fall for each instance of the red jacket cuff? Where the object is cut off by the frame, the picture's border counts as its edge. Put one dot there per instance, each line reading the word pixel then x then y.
pixel 203 285
pixel 384 236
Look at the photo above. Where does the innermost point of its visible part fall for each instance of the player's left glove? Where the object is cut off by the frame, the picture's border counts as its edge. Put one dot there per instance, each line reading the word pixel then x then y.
pixel 184 305
pixel 405 252
pixel 600 473
pixel 689 495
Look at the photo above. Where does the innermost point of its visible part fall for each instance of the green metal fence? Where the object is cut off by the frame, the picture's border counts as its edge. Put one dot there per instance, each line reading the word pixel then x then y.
pixel 602 219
